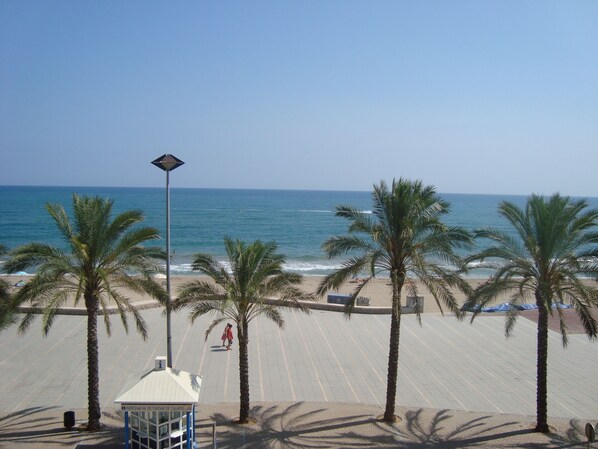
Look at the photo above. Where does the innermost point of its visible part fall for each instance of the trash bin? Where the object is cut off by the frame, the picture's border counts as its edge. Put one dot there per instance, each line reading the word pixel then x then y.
pixel 69 419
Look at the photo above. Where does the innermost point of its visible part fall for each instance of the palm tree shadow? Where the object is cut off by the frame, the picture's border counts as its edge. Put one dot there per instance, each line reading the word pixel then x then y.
pixel 308 425
pixel 39 426
pixel 298 425
pixel 422 429
pixel 575 435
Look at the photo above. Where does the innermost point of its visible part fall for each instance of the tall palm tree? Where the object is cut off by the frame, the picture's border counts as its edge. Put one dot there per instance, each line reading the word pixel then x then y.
pixel 404 238
pixel 241 295
pixel 554 247
pixel 102 257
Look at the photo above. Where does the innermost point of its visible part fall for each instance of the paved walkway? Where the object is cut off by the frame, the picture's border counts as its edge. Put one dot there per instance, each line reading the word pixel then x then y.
pixel 314 383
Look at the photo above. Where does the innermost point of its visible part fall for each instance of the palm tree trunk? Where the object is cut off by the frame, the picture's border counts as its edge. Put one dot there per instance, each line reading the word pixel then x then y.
pixel 243 372
pixel 542 367
pixel 93 377
pixel 393 353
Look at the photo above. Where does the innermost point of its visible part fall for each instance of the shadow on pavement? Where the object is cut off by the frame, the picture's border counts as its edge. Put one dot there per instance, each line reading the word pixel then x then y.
pixel 43 427
pixel 218 348
pixel 307 425
pixel 311 425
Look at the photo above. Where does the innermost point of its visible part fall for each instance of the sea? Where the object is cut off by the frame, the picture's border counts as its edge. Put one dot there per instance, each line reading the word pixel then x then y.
pixel 299 221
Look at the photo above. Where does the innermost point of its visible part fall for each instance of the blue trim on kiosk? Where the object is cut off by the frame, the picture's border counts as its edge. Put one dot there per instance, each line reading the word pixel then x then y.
pixel 127 443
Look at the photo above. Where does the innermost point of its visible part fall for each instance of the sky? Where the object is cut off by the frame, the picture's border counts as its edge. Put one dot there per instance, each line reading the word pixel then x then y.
pixel 471 96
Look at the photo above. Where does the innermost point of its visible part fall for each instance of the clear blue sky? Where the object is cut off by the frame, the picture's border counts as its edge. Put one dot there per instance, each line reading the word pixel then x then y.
pixel 470 96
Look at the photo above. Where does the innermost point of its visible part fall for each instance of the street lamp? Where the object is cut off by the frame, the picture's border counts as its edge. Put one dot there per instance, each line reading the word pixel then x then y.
pixel 168 162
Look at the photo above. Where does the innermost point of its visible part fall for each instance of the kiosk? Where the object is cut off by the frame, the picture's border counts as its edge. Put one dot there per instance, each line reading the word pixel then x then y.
pixel 159 410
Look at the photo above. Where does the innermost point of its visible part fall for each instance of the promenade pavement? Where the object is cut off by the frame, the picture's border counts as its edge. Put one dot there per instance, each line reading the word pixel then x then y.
pixel 319 382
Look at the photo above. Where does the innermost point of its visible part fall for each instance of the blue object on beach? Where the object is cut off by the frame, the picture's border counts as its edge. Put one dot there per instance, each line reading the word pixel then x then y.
pixel 471 308
pixel 560 305
pixel 499 308
pixel 505 307
pixel 529 307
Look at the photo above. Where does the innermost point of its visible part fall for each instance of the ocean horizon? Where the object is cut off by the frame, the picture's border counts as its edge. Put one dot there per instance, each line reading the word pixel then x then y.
pixel 298 220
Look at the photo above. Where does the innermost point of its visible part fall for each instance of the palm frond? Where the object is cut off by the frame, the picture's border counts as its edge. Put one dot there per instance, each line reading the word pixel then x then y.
pixel 26 321
pixel 510 320
pixel 349 269
pixel 108 323
pixel 340 245
pixel 212 325
pixel 140 323
pixel 273 314
pixel 198 291
pixel 206 307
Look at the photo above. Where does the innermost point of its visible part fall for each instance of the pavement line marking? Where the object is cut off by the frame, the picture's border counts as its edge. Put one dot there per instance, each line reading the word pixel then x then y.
pixel 178 354
pixel 286 364
pixel 366 383
pixel 552 400
pixel 340 366
pixel 500 380
pixel 478 348
pixel 311 359
pixel 40 386
pixel 225 388
pixel 152 359
pixel 259 362
pixel 439 355
pixel 511 367
pixel 554 338
pixel 365 356
pixel 402 373
pixel 117 362
pixel 203 356
pixel 82 371
pixel 57 321
pixel 431 373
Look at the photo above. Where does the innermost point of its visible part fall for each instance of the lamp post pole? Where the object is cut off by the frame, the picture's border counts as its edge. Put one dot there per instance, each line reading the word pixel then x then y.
pixel 168 162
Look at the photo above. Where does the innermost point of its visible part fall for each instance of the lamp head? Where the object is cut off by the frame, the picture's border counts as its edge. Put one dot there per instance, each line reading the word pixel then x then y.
pixel 167 162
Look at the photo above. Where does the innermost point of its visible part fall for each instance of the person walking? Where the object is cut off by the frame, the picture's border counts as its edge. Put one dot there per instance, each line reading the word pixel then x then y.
pixel 223 338
pixel 229 335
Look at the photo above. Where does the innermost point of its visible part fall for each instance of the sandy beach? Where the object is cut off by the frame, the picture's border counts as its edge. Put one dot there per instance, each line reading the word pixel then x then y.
pixel 377 290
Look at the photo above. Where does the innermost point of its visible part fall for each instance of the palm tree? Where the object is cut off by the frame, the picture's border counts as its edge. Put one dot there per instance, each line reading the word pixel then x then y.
pixel 6 314
pixel 102 258
pixel 554 247
pixel 405 238
pixel 256 276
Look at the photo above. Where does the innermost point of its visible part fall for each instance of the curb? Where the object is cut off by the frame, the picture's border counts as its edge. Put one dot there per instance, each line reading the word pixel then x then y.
pixel 83 311
pixel 366 310
pixel 153 305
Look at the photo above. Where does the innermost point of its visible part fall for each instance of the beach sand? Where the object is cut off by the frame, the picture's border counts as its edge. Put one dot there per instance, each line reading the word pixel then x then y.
pixel 377 290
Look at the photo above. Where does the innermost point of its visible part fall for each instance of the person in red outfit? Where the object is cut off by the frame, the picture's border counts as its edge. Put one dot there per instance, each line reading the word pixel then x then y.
pixel 229 335
pixel 223 338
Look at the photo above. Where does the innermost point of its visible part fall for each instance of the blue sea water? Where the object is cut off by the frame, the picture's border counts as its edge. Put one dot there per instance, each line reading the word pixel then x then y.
pixel 299 221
